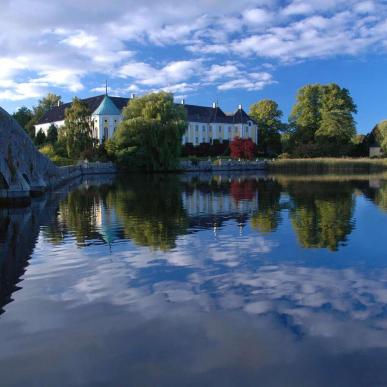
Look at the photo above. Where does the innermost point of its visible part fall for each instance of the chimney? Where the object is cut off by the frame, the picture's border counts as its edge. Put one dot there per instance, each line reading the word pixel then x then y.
pixel 239 107
pixel 132 96
pixel 183 101
pixel 59 103
pixel 214 105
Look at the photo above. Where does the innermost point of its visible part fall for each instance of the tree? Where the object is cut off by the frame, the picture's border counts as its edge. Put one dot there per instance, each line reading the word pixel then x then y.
pixel 52 134
pixel 242 148
pixel 322 119
pixel 149 137
pixel 305 116
pixel 23 116
pixel 77 131
pixel 268 117
pixel 379 133
pixel 40 138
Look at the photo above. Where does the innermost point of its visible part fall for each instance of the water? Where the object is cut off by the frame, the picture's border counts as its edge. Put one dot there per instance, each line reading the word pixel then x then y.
pixel 197 281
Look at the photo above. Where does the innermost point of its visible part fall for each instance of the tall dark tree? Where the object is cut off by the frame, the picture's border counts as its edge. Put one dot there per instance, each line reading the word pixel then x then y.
pixel 23 116
pixel 52 134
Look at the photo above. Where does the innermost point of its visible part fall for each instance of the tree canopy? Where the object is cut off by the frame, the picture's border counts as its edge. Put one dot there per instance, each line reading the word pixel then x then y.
pixel 23 116
pixel 268 117
pixel 77 132
pixel 380 134
pixel 323 115
pixel 149 137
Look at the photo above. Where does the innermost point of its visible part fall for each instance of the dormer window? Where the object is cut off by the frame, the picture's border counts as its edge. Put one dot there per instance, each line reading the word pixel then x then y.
pixel 249 123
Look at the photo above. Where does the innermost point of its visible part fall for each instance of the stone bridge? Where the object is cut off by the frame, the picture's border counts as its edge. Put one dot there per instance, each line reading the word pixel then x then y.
pixel 24 171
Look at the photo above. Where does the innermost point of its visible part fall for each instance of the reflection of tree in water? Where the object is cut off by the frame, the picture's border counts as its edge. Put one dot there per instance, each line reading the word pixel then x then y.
pixel 79 211
pixel 150 209
pixel 321 213
pixel 378 194
pixel 268 216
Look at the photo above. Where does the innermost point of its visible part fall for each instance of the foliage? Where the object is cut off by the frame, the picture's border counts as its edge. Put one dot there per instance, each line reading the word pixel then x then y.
pixel 52 134
pixel 268 117
pixel 242 148
pixel 23 116
pixel 40 138
pixel 44 105
pixel 149 137
pixel 322 117
pixel 77 132
pixel 380 134
pixel 217 148
pixel 327 165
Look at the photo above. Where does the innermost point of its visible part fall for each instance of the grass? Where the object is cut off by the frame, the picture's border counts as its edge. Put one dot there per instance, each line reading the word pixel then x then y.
pixel 328 165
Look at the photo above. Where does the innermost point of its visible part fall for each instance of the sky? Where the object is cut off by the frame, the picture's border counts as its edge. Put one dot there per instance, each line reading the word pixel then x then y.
pixel 233 52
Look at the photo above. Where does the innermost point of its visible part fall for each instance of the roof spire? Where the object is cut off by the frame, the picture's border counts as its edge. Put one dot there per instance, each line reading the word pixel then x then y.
pixel 106 87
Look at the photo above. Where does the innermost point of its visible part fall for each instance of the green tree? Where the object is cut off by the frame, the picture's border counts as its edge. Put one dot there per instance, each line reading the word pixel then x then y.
pixel 44 105
pixel 40 138
pixel 52 134
pixel 379 134
pixel 306 116
pixel 23 116
pixel 149 137
pixel 268 117
pixel 322 120
pixel 77 132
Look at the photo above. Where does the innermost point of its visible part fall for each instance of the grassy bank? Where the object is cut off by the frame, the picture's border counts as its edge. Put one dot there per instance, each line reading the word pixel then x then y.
pixel 328 165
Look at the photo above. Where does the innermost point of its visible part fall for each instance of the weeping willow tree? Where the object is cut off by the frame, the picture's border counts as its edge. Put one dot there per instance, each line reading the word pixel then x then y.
pixel 149 136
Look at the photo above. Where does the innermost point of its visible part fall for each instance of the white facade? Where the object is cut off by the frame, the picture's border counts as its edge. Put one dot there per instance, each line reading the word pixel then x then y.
pixel 104 126
pixel 198 132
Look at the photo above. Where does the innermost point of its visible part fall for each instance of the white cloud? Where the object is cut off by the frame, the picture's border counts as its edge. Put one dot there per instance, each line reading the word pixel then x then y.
pixel 251 81
pixel 38 39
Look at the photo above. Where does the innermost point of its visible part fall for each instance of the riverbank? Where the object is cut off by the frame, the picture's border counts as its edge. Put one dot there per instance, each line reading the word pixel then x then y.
pixel 222 165
pixel 63 175
pixel 327 165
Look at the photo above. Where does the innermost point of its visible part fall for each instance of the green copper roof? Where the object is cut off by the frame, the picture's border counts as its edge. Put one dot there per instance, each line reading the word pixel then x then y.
pixel 107 108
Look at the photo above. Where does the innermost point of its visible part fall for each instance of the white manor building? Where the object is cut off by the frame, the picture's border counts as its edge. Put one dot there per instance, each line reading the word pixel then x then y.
pixel 205 124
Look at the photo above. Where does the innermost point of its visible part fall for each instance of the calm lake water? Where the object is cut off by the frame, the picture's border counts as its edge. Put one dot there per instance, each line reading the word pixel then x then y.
pixel 197 281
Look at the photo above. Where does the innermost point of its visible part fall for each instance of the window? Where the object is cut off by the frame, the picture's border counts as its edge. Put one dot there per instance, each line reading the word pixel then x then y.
pixel 196 128
pixel 229 129
pixel 220 129
pixel 105 133
pixel 210 128
pixel 197 140
pixel 249 123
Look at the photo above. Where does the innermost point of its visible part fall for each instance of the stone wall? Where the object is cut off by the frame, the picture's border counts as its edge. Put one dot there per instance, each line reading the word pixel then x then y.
pixel 24 171
pixel 222 165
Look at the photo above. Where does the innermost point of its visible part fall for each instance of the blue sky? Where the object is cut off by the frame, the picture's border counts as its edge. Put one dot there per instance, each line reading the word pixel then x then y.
pixel 205 50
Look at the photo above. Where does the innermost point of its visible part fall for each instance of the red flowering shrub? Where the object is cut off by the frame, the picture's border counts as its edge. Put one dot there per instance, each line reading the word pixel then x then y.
pixel 242 148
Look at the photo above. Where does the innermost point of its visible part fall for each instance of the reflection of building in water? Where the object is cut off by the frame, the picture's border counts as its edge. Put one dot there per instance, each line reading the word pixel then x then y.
pixel 107 223
pixel 212 203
